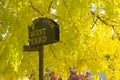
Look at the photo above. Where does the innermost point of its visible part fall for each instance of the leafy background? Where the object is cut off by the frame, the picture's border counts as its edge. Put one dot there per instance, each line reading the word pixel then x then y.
pixel 89 37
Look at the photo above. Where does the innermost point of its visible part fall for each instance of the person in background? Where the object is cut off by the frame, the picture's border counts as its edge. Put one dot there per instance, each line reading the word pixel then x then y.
pixel 52 76
pixel 60 78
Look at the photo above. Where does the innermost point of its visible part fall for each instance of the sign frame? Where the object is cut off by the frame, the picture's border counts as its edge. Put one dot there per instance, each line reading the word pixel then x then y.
pixel 43 31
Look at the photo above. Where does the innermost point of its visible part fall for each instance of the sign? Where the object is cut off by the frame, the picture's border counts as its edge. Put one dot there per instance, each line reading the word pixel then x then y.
pixel 43 31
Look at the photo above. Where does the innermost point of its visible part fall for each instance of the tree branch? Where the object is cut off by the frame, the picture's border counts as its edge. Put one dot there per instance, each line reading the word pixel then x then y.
pixel 94 23
pixel 103 21
pixel 106 23
pixel 54 53
pixel 35 9
pixel 50 6
pixel 67 8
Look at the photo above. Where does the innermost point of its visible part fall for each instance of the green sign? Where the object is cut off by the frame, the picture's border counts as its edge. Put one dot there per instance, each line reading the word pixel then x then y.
pixel 43 31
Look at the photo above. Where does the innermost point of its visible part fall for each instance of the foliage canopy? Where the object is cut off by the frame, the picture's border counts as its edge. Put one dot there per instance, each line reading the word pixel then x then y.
pixel 89 32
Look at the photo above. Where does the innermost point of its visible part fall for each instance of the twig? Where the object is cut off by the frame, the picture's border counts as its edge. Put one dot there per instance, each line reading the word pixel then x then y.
pixel 94 23
pixel 67 8
pixel 54 53
pixel 50 6
pixel 35 8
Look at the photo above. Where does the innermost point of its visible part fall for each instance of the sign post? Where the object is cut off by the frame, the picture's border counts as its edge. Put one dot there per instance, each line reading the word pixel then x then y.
pixel 43 31
pixel 41 63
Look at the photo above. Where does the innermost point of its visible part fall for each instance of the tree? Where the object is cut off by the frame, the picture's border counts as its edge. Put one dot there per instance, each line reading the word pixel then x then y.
pixel 89 36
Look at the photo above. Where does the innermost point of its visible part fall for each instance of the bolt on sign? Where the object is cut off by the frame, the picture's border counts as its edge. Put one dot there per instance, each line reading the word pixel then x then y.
pixel 43 31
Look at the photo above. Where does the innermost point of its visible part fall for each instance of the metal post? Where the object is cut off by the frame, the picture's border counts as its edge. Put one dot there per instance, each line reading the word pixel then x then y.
pixel 41 62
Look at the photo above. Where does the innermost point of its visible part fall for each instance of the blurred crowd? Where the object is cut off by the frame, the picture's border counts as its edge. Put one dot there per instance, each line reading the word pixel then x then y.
pixel 72 76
